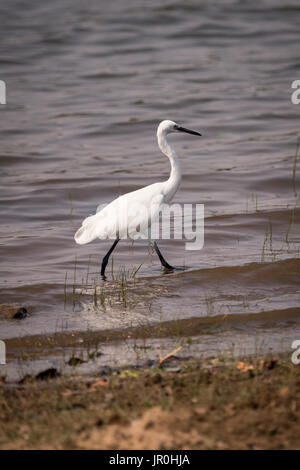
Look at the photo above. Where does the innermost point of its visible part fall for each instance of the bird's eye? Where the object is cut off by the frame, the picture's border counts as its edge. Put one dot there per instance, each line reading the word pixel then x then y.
pixel 175 127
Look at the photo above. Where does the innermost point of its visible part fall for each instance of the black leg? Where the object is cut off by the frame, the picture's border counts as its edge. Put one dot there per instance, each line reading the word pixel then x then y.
pixel 106 257
pixel 161 258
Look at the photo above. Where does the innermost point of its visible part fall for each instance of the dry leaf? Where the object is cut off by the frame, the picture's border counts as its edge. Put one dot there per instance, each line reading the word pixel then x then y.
pixel 285 392
pixel 100 383
pixel 172 353
pixel 242 367
pixel 67 393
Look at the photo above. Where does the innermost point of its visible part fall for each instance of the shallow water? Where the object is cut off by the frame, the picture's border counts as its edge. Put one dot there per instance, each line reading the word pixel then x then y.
pixel 86 88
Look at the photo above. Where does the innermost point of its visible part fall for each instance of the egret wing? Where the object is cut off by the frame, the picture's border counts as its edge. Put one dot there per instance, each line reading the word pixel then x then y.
pixel 130 215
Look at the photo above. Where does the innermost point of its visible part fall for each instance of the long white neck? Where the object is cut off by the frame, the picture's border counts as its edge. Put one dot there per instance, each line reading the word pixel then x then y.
pixel 172 184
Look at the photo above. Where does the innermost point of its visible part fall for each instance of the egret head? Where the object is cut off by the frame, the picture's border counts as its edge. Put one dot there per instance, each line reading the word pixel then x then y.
pixel 171 126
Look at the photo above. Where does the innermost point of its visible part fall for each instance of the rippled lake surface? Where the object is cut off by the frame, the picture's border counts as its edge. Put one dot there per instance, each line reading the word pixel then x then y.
pixel 87 84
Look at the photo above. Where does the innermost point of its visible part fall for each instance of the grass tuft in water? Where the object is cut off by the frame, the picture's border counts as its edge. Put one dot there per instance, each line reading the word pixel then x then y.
pixel 295 166
pixel 74 284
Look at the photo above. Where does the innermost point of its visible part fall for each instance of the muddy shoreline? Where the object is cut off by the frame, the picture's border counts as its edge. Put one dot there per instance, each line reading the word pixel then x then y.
pixel 249 403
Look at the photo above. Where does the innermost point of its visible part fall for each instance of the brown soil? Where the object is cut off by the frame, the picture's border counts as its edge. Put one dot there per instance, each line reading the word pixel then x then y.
pixel 245 404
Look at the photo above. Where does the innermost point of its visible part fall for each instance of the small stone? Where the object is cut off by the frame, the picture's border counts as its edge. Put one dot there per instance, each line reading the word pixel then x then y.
pixel 21 313
pixel 106 370
pixel 75 361
pixel 157 378
pixel 50 373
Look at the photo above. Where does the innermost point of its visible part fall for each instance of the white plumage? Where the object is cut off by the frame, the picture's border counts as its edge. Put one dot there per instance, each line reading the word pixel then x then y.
pixel 132 213
pixel 124 216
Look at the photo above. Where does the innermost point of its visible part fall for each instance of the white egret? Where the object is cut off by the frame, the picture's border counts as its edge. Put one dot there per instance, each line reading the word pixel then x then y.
pixel 109 221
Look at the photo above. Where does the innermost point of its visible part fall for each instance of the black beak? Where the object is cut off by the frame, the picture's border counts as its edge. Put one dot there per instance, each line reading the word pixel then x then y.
pixel 183 129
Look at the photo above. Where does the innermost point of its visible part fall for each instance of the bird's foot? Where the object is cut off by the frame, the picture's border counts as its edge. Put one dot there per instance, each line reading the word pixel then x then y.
pixel 170 268
pixel 167 266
